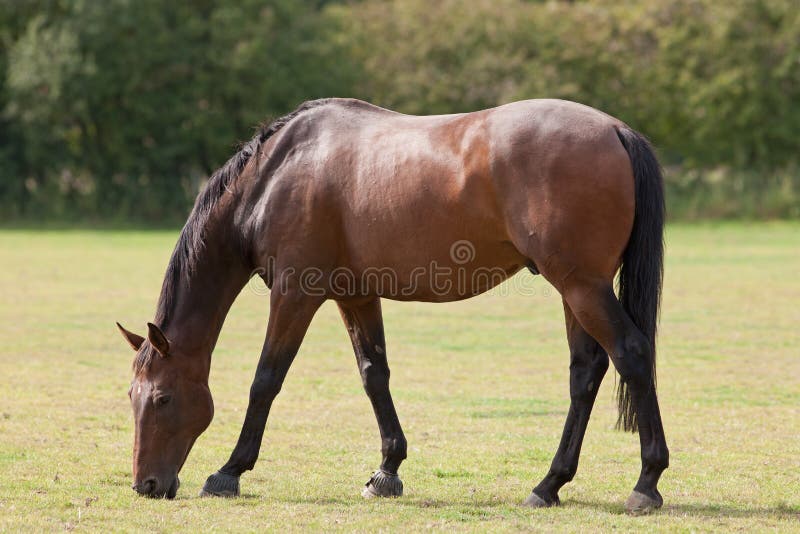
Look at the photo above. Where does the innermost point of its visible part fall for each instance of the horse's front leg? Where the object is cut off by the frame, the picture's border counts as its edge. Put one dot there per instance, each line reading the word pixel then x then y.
pixel 290 314
pixel 365 325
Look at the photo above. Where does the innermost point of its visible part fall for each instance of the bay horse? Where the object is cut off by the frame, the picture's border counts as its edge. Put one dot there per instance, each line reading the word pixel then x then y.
pixel 344 200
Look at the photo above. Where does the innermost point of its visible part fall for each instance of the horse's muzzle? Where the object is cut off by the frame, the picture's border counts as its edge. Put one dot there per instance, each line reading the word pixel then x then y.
pixel 151 487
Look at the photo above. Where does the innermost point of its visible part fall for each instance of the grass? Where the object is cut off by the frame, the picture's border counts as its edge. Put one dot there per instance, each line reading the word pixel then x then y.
pixel 480 386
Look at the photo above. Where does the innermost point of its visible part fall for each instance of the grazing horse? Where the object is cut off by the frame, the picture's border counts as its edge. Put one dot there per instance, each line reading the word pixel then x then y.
pixel 348 201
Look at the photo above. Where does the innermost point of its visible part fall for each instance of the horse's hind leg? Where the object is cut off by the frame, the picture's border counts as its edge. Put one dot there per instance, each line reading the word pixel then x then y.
pixel 290 314
pixel 587 367
pixel 365 325
pixel 602 316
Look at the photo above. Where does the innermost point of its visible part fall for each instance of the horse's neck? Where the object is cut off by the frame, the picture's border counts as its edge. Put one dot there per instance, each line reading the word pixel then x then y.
pixel 203 297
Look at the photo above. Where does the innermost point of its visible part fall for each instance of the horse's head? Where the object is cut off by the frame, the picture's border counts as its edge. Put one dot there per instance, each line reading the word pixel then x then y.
pixel 172 406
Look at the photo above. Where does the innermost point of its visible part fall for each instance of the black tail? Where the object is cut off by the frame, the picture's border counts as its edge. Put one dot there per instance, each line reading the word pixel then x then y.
pixel 643 260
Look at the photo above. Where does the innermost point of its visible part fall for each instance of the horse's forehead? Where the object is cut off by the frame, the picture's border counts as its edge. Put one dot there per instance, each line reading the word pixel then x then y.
pixel 141 378
pixel 136 387
pixel 157 370
pixel 147 365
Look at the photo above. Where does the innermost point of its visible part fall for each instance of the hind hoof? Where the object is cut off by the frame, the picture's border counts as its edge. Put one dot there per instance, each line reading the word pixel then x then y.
pixel 534 501
pixel 383 484
pixel 640 504
pixel 220 485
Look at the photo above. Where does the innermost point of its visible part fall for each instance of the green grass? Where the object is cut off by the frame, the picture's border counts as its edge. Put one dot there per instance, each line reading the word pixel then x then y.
pixel 480 386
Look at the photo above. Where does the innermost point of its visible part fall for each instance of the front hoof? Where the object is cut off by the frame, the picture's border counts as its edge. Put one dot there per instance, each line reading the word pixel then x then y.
pixel 640 504
pixel 383 484
pixel 221 485
pixel 534 501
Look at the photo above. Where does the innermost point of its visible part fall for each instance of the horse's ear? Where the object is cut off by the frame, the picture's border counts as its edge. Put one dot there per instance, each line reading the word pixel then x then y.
pixel 157 339
pixel 134 340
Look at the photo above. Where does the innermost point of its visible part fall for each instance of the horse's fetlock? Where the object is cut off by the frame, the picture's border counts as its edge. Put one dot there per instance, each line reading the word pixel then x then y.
pixel 563 473
pixel 395 448
pixel 656 458
pixel 375 381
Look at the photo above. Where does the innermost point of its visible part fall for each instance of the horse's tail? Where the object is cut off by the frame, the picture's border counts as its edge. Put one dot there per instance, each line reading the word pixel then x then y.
pixel 642 269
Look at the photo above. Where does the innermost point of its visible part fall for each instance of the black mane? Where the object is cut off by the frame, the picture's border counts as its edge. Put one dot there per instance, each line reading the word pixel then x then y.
pixel 192 238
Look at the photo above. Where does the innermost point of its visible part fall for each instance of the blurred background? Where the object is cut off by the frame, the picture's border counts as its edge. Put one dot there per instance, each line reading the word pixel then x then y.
pixel 118 110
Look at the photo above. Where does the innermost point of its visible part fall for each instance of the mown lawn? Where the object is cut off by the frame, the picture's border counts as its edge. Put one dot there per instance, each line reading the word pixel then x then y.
pixel 480 386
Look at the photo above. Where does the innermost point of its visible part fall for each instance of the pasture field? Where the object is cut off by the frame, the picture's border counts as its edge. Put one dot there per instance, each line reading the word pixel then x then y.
pixel 481 387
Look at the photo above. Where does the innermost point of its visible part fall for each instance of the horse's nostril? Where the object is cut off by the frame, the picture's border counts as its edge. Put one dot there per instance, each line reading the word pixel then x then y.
pixel 147 487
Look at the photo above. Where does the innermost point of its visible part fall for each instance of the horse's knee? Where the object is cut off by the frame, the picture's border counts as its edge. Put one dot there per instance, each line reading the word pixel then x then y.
pixel 374 378
pixel 265 384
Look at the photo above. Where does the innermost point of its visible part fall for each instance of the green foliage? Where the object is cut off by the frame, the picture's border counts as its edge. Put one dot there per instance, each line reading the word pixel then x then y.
pixel 124 107
pixel 121 108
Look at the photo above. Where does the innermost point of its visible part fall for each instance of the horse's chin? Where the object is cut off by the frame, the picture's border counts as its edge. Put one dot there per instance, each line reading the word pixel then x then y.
pixel 173 489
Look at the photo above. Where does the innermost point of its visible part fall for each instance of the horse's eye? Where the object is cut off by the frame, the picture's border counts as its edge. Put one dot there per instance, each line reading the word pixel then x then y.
pixel 163 399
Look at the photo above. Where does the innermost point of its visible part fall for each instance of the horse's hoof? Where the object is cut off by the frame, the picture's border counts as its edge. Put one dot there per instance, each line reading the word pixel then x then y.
pixel 221 485
pixel 383 484
pixel 534 501
pixel 640 504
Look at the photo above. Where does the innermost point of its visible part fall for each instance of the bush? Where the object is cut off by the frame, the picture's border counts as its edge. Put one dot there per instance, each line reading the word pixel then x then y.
pixel 120 109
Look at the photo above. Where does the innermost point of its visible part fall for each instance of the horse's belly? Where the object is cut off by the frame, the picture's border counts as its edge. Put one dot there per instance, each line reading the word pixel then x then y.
pixel 444 284
pixel 435 269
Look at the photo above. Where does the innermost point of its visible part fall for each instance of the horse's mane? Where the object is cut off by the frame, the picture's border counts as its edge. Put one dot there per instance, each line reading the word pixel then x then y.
pixel 192 238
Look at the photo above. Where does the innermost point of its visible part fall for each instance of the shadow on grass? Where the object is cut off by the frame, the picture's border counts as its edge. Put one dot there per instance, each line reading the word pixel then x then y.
pixel 782 511
pixel 514 414
pixel 712 510
pixel 481 506
pixel 404 501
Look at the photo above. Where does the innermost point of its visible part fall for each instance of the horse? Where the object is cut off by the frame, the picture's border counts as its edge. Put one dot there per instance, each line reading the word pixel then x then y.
pixel 347 201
